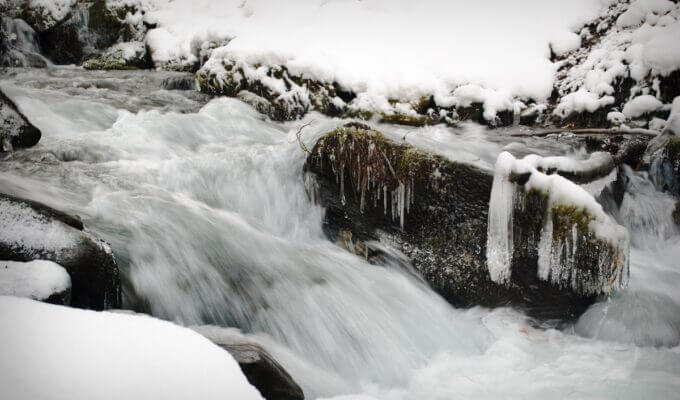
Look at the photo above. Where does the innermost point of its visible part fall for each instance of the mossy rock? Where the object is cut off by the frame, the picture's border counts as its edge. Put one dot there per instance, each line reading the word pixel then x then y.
pixel 121 56
pixel 444 208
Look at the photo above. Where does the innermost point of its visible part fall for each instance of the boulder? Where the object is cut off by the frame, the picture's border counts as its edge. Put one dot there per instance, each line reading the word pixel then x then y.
pixel 259 367
pixel 15 130
pixel 33 231
pixel 436 212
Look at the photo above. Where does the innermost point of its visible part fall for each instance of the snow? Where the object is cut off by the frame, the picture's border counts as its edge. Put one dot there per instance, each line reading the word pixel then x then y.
pixel 22 227
pixel 37 279
pixel 580 101
pixel 640 106
pixel 553 260
pixel 640 9
pixel 54 352
pixel 393 50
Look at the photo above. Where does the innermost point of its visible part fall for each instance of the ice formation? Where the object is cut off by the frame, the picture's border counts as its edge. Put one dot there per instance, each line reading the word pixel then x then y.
pixel 557 255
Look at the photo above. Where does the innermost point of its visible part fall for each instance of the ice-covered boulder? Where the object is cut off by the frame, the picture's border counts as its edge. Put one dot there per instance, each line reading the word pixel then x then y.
pixel 33 231
pixel 15 130
pixel 436 212
pixel 259 367
pixel 38 280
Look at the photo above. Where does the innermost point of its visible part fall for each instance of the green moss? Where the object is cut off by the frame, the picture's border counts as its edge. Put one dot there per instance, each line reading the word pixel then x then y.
pixel 358 113
pixel 565 216
pixel 673 149
pixel 403 119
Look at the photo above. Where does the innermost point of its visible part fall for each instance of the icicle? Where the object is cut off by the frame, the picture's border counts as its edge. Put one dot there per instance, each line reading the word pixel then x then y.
pixel 499 246
pixel 385 200
pixel 401 205
pixel 342 184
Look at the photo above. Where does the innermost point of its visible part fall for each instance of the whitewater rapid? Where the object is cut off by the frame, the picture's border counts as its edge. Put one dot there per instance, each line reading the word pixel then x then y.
pixel 204 203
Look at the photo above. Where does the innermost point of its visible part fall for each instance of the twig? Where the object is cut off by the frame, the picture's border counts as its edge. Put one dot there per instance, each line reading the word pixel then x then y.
pixel 591 131
pixel 298 135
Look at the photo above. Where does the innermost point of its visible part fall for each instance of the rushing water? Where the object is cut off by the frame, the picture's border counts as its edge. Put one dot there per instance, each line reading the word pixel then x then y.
pixel 204 204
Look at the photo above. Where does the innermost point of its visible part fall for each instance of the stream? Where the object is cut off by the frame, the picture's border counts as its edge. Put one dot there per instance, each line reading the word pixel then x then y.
pixel 203 201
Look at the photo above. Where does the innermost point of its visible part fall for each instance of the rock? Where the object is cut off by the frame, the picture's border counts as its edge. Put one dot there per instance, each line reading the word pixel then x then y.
pixel 259 367
pixel 38 280
pixel 69 42
pixel 435 211
pixel 45 15
pixel 90 27
pixel 33 231
pixel 128 55
pixel 16 131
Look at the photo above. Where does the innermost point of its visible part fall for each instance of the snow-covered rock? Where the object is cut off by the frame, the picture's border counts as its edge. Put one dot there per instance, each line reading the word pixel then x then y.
pixel 127 55
pixel 33 231
pixel 44 15
pixel 53 352
pixel 37 280
pixel 630 58
pixel 15 130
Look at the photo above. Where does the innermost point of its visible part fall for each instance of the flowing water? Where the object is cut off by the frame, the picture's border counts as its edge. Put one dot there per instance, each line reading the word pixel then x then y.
pixel 204 204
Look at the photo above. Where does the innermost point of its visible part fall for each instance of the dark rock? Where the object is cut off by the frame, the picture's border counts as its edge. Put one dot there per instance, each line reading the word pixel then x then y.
pixel 30 231
pixel 15 130
pixel 444 209
pixel 259 367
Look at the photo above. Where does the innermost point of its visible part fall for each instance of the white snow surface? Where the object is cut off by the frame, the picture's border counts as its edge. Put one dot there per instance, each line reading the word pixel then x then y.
pixel 24 228
pixel 641 105
pixel 38 279
pixel 54 352
pixel 389 48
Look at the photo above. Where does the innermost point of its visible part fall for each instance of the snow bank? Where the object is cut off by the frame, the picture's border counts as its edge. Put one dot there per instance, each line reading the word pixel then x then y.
pixel 392 49
pixel 53 352
pixel 37 279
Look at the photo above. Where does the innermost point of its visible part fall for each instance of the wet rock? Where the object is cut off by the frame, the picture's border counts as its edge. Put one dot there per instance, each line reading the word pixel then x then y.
pixel 33 231
pixel 128 55
pixel 259 367
pixel 16 131
pixel 435 211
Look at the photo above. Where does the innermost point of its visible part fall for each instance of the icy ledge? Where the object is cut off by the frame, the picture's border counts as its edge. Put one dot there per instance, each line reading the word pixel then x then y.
pixel 579 246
